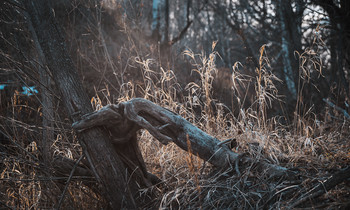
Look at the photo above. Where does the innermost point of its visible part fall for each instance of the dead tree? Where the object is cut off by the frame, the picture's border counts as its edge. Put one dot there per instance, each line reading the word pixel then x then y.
pixel 123 120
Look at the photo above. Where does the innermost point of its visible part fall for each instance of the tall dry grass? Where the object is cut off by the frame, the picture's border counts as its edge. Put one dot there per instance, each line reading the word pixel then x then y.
pixel 309 144
pixel 190 182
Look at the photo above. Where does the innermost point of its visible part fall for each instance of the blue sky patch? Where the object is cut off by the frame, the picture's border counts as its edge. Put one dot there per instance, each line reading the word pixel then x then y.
pixel 2 86
pixel 29 90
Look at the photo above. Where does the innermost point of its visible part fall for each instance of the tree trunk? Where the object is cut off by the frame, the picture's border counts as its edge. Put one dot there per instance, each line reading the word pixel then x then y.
pixel 155 20
pixel 46 98
pixel 287 62
pixel 166 126
pixel 107 166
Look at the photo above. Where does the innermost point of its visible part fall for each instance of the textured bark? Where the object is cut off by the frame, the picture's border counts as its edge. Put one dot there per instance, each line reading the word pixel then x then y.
pixel 289 75
pixel 165 126
pixel 46 98
pixel 106 164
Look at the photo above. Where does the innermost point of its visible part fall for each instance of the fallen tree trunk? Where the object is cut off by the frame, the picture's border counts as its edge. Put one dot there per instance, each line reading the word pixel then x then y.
pixel 124 119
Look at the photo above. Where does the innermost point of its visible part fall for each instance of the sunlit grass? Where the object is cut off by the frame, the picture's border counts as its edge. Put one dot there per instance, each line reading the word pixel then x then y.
pixel 188 182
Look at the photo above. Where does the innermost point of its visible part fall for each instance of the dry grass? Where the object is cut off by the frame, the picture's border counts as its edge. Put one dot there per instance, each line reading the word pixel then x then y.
pixel 315 147
pixel 190 184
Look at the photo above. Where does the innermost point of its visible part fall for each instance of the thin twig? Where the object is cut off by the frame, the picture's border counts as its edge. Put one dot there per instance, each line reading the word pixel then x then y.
pixel 4 205
pixel 19 146
pixel 225 141
pixel 92 166
pixel 46 179
pixel 68 181
pixel 323 187
pixel 345 113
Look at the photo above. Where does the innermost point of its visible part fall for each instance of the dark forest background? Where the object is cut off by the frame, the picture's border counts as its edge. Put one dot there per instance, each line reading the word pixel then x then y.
pixel 298 35
pixel 272 64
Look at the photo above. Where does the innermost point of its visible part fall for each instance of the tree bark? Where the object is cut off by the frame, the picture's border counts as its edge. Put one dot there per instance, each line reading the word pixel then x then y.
pixel 107 165
pixel 166 127
pixel 282 8
pixel 46 98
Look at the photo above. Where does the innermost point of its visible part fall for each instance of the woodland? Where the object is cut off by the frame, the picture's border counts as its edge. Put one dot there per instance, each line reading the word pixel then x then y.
pixel 183 104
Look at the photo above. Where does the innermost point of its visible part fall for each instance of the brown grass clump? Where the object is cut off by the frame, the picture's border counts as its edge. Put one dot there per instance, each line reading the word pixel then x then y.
pixel 191 183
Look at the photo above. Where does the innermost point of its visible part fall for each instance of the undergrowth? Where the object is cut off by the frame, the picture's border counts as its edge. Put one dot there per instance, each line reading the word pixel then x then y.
pixel 192 184
pixel 313 144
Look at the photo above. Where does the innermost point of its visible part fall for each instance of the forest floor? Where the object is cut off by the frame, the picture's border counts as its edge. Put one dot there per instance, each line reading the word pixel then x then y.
pixel 313 147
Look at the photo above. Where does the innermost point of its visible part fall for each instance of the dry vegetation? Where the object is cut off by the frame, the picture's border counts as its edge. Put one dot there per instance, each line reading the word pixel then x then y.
pixel 313 145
